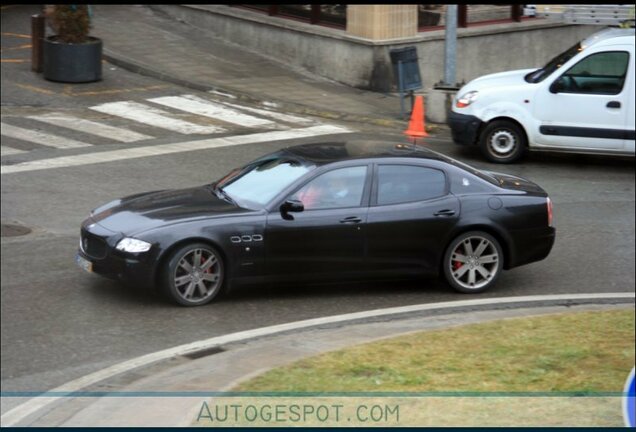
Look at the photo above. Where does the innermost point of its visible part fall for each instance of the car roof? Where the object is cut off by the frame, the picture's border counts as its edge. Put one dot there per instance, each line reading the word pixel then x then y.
pixel 609 35
pixel 329 152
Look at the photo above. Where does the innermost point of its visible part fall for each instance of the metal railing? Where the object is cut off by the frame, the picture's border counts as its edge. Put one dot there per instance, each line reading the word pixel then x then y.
pixel 599 14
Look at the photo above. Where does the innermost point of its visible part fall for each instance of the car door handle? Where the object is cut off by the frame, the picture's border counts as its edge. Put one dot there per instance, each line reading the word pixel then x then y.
pixel 445 212
pixel 613 104
pixel 351 220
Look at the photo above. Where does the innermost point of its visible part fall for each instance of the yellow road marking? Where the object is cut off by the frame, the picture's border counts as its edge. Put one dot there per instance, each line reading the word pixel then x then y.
pixel 16 48
pixel 13 60
pixel 68 90
pixel 19 35
pixel 115 91
pixel 35 89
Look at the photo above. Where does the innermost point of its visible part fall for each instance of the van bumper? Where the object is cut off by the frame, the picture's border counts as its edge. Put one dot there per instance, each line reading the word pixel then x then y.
pixel 464 128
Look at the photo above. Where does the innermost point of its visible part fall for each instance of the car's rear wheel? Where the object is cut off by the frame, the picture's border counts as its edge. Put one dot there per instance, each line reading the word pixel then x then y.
pixel 502 141
pixel 194 275
pixel 473 262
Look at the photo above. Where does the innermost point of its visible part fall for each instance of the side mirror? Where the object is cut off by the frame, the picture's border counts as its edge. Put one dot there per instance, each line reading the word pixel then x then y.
pixel 291 206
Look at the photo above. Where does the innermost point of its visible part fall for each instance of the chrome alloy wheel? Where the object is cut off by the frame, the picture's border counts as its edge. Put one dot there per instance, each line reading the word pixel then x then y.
pixel 474 262
pixel 198 275
pixel 502 142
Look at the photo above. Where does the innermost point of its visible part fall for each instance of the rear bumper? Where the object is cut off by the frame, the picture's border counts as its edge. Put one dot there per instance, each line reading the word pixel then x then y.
pixel 464 128
pixel 532 245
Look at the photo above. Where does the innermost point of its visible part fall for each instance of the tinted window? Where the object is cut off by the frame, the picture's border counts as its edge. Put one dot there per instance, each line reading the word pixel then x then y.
pixel 334 189
pixel 558 61
pixel 254 185
pixel 403 183
pixel 602 73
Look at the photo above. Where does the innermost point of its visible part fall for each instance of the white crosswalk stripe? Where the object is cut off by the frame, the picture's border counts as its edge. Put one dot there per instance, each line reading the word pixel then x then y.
pixel 199 106
pixel 156 150
pixel 91 127
pixel 40 137
pixel 6 151
pixel 273 114
pixel 149 117
pixel 154 117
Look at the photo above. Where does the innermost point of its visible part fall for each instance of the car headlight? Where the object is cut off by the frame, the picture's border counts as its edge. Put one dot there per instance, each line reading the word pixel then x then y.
pixel 128 244
pixel 466 99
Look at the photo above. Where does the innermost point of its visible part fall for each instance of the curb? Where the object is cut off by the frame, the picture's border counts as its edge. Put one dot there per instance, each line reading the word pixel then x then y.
pixel 32 406
pixel 145 70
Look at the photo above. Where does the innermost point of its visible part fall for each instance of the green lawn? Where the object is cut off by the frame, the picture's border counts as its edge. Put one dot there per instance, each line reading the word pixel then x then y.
pixel 584 351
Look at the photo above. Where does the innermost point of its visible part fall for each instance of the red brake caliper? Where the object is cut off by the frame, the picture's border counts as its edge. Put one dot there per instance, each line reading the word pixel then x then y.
pixel 209 269
pixel 457 264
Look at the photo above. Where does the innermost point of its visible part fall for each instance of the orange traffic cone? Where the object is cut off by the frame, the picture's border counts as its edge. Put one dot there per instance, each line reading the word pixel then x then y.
pixel 416 127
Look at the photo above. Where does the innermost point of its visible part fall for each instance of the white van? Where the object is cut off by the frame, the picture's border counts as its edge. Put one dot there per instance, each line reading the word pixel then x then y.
pixel 581 101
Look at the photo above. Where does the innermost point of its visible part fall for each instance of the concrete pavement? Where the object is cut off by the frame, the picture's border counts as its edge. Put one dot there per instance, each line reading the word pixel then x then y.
pixel 163 48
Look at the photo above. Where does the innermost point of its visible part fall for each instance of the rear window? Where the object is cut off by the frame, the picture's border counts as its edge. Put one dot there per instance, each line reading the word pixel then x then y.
pixel 403 183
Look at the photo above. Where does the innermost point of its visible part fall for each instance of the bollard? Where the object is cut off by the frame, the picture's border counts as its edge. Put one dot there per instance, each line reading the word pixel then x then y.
pixel 37 35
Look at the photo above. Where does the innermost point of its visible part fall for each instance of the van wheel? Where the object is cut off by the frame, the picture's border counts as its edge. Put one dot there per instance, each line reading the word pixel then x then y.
pixel 502 141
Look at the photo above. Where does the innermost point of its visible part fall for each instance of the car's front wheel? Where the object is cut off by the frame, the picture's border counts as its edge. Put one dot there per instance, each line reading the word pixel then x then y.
pixel 502 141
pixel 473 262
pixel 193 275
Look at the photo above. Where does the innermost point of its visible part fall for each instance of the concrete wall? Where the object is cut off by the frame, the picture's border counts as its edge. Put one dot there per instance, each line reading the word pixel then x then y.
pixel 366 64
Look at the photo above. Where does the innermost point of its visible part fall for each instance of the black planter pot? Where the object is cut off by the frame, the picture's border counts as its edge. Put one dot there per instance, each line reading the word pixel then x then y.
pixel 72 63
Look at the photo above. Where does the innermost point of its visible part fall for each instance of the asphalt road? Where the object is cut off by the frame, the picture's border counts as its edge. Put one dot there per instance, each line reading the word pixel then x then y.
pixel 58 323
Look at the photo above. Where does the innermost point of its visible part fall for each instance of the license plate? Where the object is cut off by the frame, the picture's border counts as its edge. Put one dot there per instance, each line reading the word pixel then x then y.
pixel 84 263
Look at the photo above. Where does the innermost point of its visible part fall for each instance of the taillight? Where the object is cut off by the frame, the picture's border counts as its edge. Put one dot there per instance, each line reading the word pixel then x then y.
pixel 549 206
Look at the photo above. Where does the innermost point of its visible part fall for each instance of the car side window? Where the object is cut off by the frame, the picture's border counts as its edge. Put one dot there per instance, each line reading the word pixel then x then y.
pixel 601 73
pixel 403 183
pixel 339 188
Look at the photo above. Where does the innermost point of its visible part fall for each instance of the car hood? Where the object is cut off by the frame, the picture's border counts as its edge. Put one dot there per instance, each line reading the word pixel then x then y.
pixel 500 79
pixel 138 213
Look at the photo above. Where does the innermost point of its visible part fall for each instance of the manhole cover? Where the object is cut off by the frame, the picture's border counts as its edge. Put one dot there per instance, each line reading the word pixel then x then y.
pixel 13 230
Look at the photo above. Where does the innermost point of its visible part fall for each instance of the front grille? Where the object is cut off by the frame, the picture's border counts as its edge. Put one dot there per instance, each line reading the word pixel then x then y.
pixel 93 246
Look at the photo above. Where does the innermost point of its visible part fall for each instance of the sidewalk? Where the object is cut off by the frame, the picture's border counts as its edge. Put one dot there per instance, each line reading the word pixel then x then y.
pixel 138 39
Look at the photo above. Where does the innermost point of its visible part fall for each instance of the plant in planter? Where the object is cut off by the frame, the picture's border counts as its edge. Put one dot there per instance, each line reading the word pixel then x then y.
pixel 72 55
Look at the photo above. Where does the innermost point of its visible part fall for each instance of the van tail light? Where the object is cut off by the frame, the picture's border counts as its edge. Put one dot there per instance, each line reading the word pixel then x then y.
pixel 549 207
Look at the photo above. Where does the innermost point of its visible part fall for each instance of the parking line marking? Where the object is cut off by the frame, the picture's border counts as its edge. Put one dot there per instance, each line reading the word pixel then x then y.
pixel 13 416
pixel 199 106
pixel 40 137
pixel 156 150
pixel 91 127
pixel 154 117
pixel 6 151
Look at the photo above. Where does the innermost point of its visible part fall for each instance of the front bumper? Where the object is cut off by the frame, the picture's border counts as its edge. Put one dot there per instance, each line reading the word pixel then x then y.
pixel 97 245
pixel 464 128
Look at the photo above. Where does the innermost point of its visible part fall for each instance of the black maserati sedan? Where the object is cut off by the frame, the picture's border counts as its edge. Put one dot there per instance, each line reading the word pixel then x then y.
pixel 318 212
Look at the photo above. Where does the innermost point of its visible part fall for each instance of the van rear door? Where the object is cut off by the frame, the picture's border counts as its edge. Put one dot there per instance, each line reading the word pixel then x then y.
pixel 586 106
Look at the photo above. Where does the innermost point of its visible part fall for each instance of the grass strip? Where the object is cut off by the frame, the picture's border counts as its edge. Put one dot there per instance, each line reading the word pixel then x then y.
pixel 580 352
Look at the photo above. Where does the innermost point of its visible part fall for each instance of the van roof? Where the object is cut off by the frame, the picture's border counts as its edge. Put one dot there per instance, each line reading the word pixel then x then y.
pixel 606 34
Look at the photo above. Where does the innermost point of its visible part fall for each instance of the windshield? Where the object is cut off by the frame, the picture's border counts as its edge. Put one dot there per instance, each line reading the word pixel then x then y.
pixel 256 184
pixel 558 61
